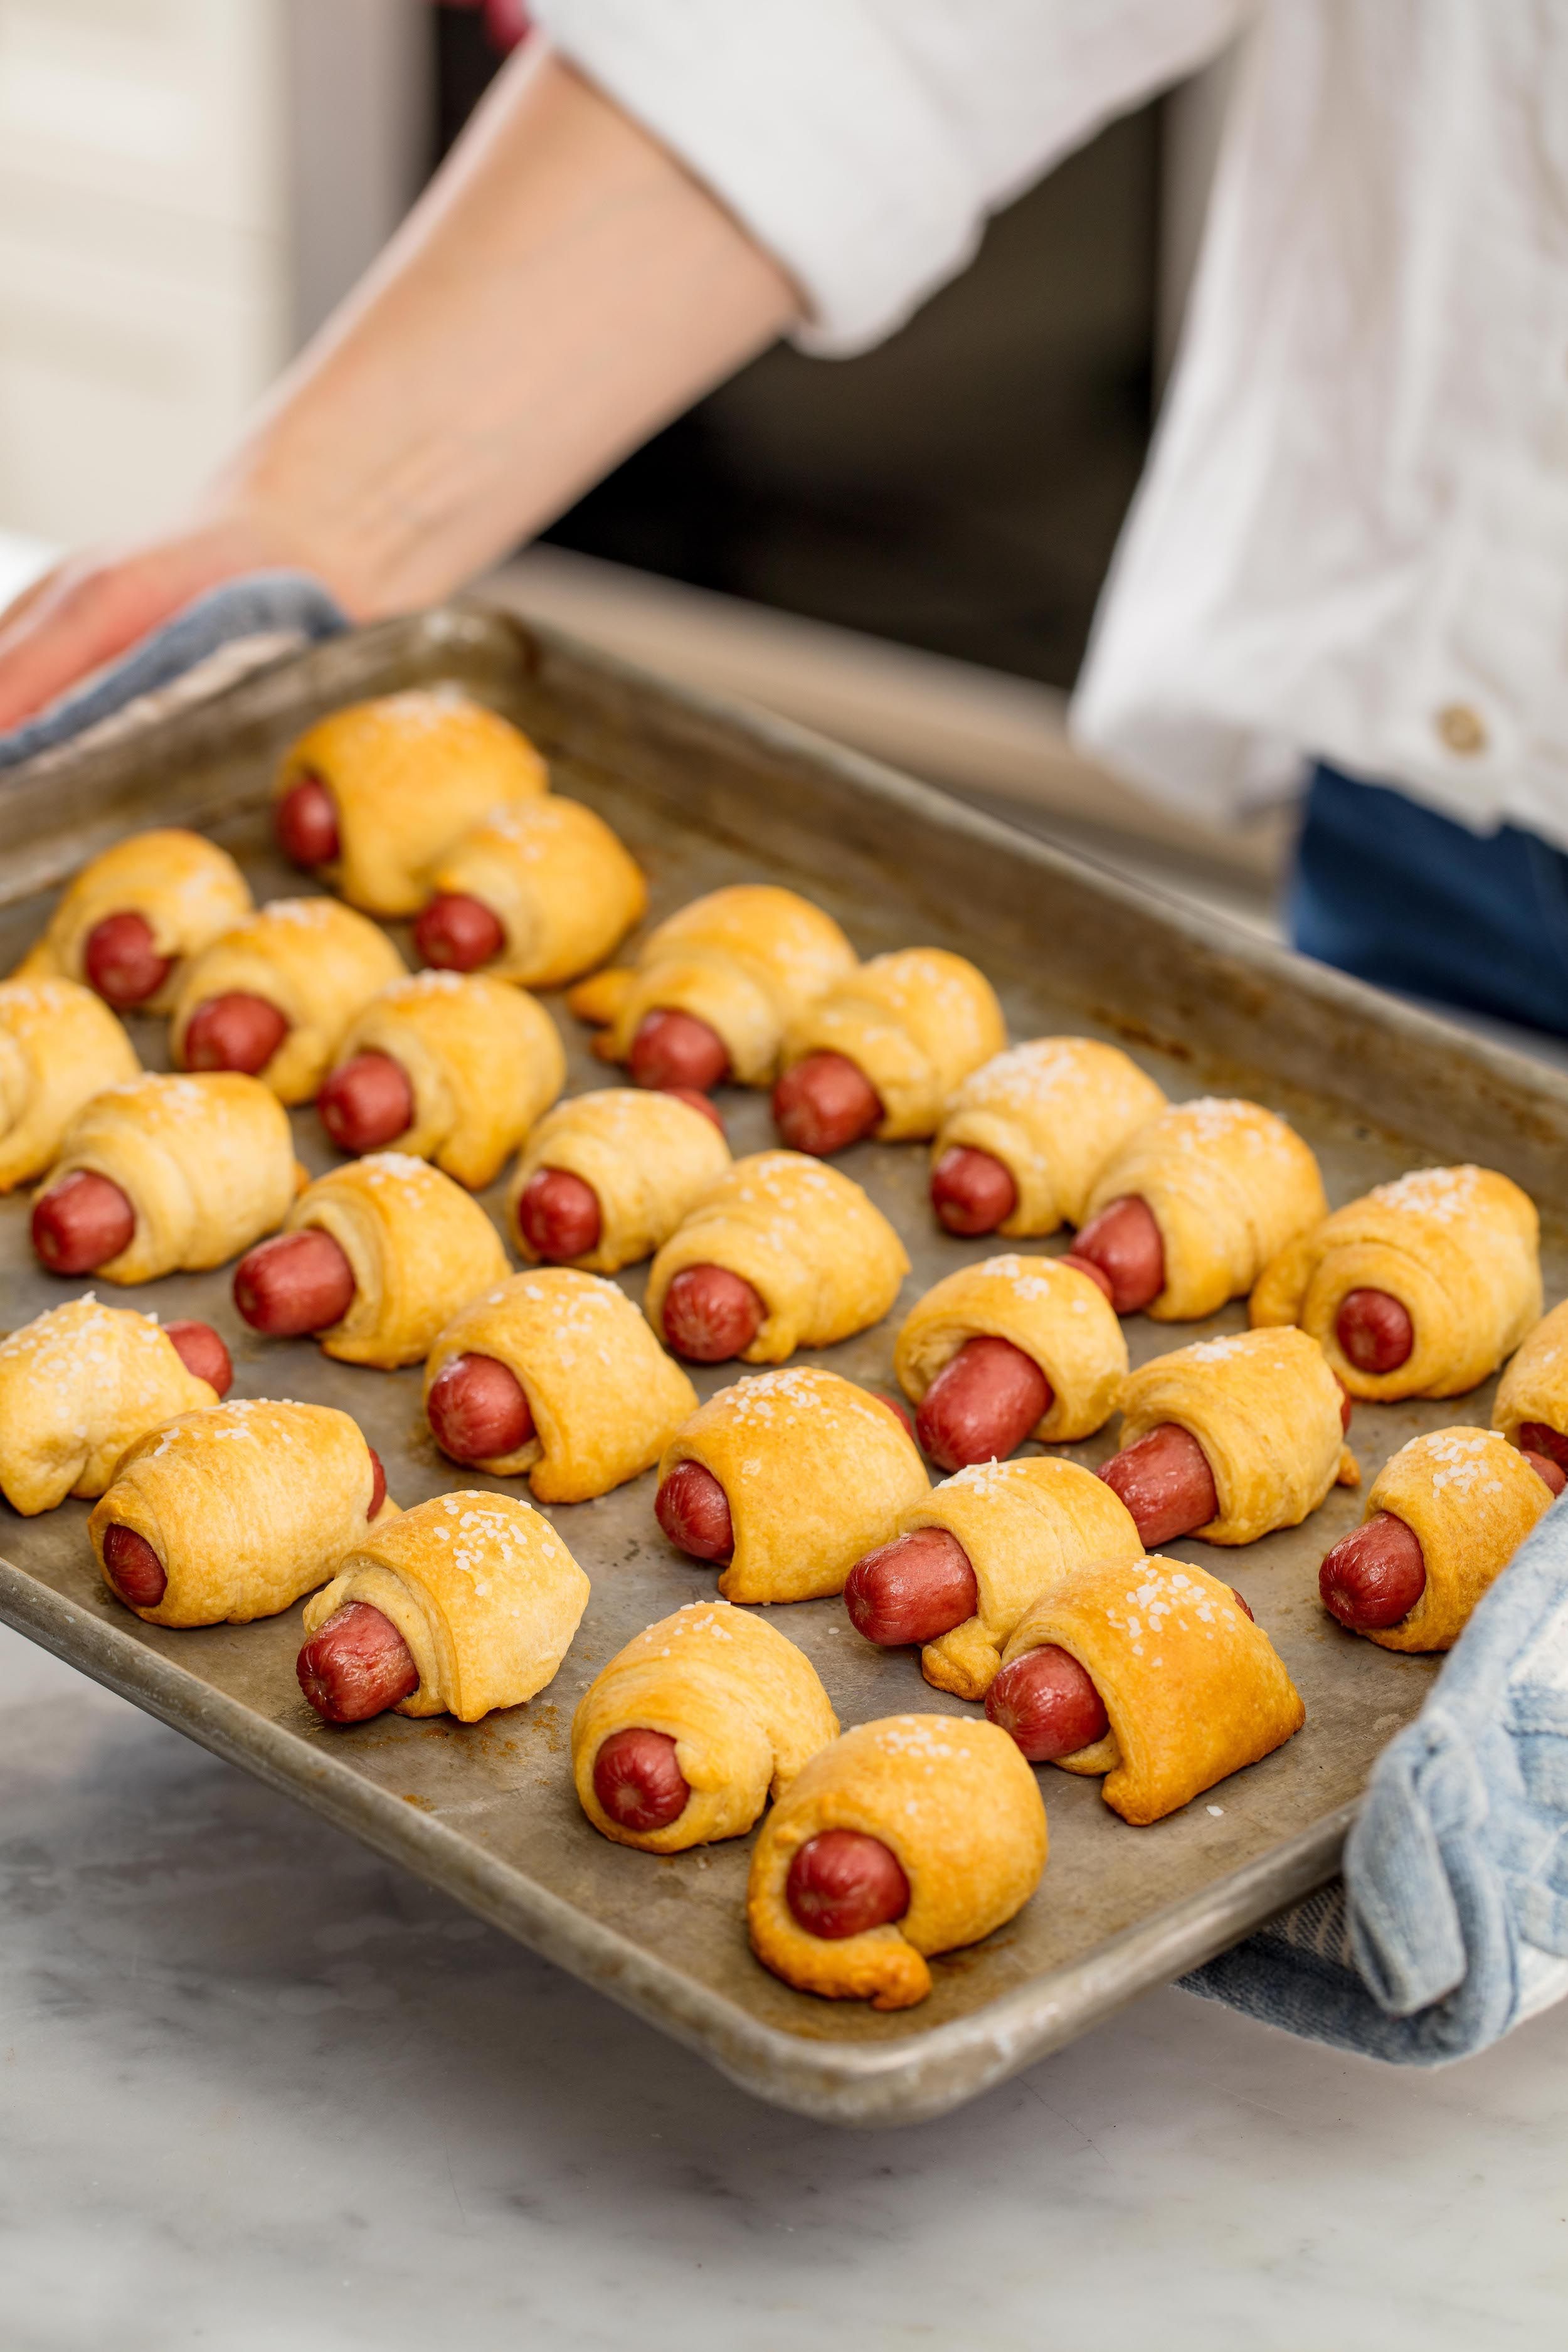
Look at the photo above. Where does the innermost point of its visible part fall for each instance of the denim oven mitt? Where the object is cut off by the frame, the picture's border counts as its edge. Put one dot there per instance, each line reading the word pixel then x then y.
pixel 272 612
pixel 1451 1925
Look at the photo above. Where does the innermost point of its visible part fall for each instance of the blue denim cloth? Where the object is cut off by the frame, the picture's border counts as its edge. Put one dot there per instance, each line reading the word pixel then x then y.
pixel 266 604
pixel 1451 1921
pixel 1403 897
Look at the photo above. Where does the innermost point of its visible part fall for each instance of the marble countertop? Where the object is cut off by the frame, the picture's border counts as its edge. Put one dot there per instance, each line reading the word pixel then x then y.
pixel 260 2089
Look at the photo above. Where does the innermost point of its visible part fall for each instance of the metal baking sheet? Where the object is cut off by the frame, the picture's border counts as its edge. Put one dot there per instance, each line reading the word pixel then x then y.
pixel 705 794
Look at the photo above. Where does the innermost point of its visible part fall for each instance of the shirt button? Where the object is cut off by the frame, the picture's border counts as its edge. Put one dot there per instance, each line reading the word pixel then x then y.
pixel 1461 729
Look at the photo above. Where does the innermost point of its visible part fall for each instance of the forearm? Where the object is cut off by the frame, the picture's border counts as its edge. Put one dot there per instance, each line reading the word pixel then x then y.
pixel 562 290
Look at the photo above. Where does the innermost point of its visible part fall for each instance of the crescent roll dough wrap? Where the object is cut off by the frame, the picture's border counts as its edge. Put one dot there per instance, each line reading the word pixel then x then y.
pixel 76 1386
pixel 1055 1315
pixel 483 1060
pixel 1265 1409
pixel 187 889
pixel 959 1808
pixel 915 1024
pixel 1457 1247
pixel 559 883
pixel 206 1163
pixel 1229 1185
pixel 1053 1112
pixel 419 1249
pixel 606 1399
pixel 60 1045
pixel 743 1706
pixel 648 1157
pixel 318 962
pixel 822 1258
pixel 816 1472
pixel 409 774
pixel 747 960
pixel 481 1588
pixel 1193 1689
pixel 1469 1498
pixel 1023 1524
pixel 247 1506
pixel 1535 1385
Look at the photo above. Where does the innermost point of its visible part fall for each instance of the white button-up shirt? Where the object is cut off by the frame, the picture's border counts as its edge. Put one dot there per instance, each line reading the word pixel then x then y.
pixel 1351 541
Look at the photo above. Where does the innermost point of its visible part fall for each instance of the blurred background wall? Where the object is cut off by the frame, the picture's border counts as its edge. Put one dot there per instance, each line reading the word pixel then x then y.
pixel 904 547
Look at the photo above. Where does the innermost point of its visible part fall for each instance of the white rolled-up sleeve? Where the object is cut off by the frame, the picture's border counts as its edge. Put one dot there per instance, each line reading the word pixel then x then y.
pixel 863 143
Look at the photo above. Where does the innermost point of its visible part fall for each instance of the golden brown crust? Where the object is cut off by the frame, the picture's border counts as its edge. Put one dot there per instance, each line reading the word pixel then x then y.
pixel 60 1045
pixel 78 1386
pixel 246 1505
pixel 562 884
pixel 821 1256
pixel 957 1806
pixel 1024 1526
pixel 747 960
pixel 649 1158
pixel 410 773
pixel 1457 1247
pixel 206 1163
pixel 1265 1409
pixel 483 1591
pixel 419 1247
pixel 1193 1689
pixel 188 890
pixel 1057 1317
pixel 915 1023
pixel 318 962
pixel 484 1061
pixel 606 1399
pixel 1471 1500
pixel 744 1706
pixel 1535 1385
pixel 1053 1111
pixel 1229 1185
pixel 815 1470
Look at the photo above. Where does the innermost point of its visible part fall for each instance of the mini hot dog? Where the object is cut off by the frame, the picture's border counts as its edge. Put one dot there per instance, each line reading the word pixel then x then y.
pixel 781 1254
pixel 162 1175
pixel 1011 1348
pixel 1230 1438
pixel 900 1839
pixel 881 1053
pixel 682 1737
pixel 126 924
pixel 555 1373
pixel 231 1512
pixel 606 1178
pixel 1531 1406
pixel 465 1604
pixel 1158 1673
pixel 275 995
pixel 1026 1136
pixel 1419 1290
pixel 535 894
pixel 453 1070
pixel 787 1478
pixel 377 1256
pixel 372 795
pixel 967 1560
pixel 1445 1517
pixel 1193 1204
pixel 715 988
pixel 58 1047
pixel 81 1383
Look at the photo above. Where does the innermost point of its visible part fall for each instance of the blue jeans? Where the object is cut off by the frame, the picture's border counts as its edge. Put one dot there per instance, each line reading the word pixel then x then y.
pixel 1396 894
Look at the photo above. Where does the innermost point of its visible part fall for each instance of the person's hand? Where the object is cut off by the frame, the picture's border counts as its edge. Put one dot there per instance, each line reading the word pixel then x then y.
pixel 98 603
